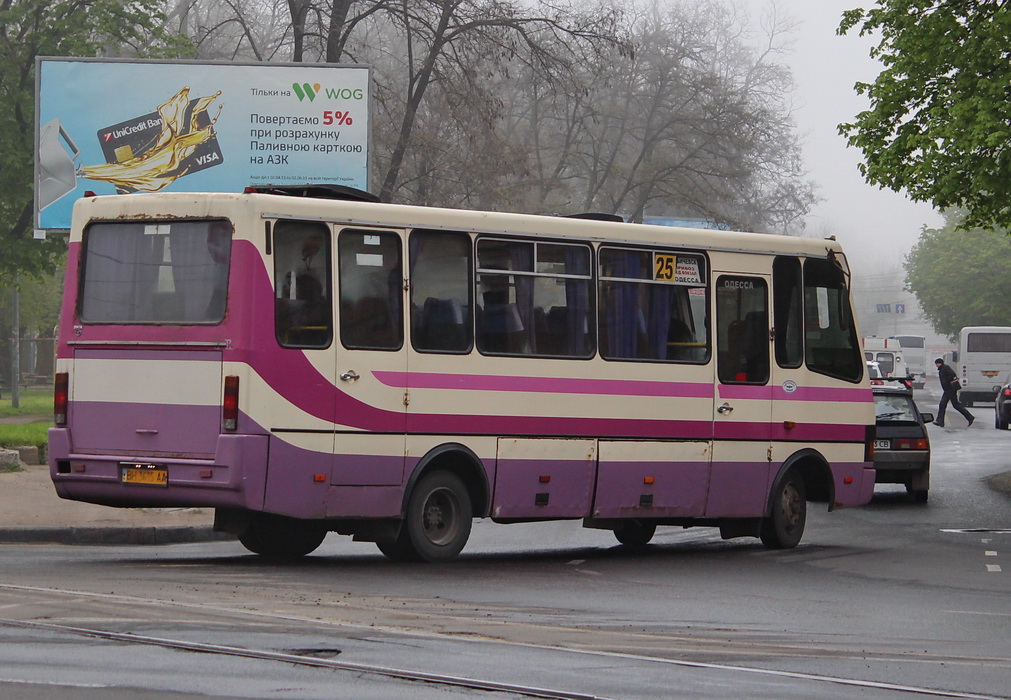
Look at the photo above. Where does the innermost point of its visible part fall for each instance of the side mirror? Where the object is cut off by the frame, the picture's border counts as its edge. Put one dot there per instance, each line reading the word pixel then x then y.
pixel 997 388
pixel 927 417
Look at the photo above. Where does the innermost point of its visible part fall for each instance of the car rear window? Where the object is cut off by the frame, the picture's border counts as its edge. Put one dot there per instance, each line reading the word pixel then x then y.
pixel 894 408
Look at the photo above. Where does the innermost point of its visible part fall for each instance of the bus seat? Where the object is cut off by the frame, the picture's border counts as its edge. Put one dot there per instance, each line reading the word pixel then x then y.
pixel 442 325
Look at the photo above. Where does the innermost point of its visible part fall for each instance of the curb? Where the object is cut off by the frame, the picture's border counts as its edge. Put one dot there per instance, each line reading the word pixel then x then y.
pixel 111 535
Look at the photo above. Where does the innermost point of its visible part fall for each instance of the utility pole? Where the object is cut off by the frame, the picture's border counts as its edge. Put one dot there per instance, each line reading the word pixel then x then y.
pixel 16 345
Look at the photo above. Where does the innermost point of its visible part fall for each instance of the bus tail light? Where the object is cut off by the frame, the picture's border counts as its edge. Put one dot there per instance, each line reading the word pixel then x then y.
pixel 230 405
pixel 61 397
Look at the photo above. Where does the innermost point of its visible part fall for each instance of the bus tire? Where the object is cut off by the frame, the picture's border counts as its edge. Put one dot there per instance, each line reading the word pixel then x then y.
pixel 635 533
pixel 438 520
pixel 398 549
pixel 278 537
pixel 784 526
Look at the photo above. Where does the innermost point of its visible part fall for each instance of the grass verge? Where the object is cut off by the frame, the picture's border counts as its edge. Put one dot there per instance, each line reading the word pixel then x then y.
pixel 37 402
pixel 36 434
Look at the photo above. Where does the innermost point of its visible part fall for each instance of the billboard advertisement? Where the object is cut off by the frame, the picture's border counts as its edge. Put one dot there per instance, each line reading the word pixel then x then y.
pixel 122 126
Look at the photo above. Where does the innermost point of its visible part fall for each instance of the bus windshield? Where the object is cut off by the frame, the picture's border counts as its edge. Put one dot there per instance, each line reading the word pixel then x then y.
pixel 150 272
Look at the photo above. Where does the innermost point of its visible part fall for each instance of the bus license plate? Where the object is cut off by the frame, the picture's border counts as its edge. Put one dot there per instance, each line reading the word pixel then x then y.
pixel 882 444
pixel 146 474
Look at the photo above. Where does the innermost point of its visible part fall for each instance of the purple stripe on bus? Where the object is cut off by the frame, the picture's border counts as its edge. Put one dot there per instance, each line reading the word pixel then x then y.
pixel 549 385
pixel 801 432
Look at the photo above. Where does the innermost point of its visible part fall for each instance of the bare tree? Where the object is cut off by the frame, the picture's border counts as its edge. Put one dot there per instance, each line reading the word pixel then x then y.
pixel 693 121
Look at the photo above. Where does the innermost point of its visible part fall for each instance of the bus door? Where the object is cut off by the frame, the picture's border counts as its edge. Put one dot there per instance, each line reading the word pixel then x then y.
pixel 300 368
pixel 742 407
pixel 371 361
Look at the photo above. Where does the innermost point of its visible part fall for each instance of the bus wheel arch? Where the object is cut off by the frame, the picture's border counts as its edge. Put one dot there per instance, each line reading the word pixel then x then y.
pixel 459 460
pixel 445 492
pixel 805 476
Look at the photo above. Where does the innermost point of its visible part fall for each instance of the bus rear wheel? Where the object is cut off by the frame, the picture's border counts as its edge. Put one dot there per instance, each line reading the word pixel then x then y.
pixel 278 537
pixel 635 533
pixel 785 525
pixel 438 521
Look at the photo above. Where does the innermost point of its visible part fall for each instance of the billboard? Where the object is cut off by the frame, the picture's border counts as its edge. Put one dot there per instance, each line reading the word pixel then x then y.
pixel 122 126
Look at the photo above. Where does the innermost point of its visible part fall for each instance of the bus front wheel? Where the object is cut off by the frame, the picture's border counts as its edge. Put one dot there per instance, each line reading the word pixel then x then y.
pixel 437 523
pixel 784 526
pixel 277 537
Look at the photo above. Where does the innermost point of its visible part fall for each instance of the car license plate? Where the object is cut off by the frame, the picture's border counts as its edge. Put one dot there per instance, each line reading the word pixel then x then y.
pixel 882 444
pixel 145 474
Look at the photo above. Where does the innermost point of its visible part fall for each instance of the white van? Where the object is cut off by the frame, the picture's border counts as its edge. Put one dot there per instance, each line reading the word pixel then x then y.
pixel 887 352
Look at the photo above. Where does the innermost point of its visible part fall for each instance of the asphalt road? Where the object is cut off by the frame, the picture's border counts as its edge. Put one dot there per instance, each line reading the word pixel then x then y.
pixel 895 599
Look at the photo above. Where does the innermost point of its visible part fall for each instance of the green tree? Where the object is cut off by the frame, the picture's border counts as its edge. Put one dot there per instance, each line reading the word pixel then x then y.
pixel 961 277
pixel 939 122
pixel 31 28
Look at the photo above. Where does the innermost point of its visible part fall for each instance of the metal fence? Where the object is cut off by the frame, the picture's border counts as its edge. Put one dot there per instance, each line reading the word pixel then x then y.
pixel 37 359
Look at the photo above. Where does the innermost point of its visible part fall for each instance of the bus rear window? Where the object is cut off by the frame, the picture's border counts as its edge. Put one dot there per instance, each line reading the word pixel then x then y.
pixel 155 272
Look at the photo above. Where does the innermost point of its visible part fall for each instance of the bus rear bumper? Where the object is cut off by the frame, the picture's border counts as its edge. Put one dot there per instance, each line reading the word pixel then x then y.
pixel 234 477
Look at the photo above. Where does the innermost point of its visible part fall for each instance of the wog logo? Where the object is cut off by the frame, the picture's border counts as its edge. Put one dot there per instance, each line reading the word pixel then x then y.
pixel 305 91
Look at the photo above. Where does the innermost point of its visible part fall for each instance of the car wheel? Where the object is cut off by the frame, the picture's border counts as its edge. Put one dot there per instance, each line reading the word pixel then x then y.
pixel 1000 420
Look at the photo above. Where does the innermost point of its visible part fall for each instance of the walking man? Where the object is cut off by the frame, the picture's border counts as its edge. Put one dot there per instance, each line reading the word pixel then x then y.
pixel 949 388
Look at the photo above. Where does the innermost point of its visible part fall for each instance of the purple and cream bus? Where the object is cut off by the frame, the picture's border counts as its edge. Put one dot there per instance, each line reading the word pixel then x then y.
pixel 304 360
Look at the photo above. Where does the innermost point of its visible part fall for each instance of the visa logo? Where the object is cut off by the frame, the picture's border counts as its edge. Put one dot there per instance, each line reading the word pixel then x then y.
pixel 209 158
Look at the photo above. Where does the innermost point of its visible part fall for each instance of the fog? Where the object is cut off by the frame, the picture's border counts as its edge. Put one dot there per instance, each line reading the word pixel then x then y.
pixel 876 227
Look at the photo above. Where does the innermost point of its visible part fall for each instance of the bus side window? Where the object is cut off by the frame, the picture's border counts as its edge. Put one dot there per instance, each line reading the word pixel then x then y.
pixel 371 283
pixel 534 298
pixel 831 346
pixel 441 291
pixel 788 312
pixel 303 311
pixel 742 332
pixel 650 315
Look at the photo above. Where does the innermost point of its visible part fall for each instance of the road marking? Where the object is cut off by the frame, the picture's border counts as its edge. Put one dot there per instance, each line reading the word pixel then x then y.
pixel 969 530
pixel 991 553
pixel 995 568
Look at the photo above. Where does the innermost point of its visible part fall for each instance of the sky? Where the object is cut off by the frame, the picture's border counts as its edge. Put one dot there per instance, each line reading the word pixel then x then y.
pixel 876 227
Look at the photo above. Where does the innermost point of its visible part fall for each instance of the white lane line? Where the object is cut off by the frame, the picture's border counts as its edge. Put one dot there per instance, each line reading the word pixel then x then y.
pixel 994 568
pixel 990 553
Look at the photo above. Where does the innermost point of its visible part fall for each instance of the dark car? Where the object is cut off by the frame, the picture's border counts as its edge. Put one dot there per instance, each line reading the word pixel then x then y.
pixel 901 446
pixel 1002 407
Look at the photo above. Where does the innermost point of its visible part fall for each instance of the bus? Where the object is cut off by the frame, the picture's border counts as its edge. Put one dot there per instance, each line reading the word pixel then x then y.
pixel 983 362
pixel 914 351
pixel 307 360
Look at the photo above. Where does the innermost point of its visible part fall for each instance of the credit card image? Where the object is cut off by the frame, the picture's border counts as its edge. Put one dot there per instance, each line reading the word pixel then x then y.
pixel 133 138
